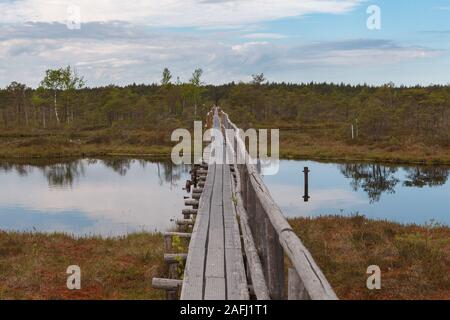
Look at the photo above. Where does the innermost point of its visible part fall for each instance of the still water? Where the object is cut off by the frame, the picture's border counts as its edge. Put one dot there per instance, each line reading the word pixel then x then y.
pixel 105 197
pixel 406 194
pixel 116 196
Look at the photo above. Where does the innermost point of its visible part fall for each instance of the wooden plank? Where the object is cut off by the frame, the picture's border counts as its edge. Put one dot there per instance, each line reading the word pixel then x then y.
pixel 253 261
pixel 166 284
pixel 237 288
pixel 215 260
pixel 193 285
pixel 175 257
pixel 215 289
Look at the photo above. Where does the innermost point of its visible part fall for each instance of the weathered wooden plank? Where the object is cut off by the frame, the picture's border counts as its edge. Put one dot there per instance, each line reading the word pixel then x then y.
pixel 253 261
pixel 215 289
pixel 193 285
pixel 189 211
pixel 166 284
pixel 174 257
pixel 237 287
pixel 215 260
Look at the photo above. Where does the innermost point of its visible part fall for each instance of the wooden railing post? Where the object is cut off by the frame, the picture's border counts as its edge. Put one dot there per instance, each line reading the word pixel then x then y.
pixel 274 262
pixel 296 289
pixel 273 238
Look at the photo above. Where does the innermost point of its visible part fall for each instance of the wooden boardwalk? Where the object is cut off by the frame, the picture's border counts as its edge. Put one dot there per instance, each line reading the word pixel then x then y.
pixel 240 239
pixel 215 266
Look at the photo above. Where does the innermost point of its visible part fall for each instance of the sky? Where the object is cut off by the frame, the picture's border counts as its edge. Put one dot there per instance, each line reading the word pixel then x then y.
pixel 123 42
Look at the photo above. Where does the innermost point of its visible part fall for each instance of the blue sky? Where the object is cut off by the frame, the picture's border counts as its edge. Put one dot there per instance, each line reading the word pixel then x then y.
pixel 121 42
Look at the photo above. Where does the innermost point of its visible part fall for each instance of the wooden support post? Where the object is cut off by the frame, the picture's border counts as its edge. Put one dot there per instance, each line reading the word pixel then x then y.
pixel 296 289
pixel 171 286
pixel 190 202
pixel 275 263
pixel 184 222
pixel 167 243
pixel 189 211
pixel 166 284
pixel 174 257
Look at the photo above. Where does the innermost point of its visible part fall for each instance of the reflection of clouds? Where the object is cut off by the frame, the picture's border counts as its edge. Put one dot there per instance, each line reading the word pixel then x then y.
pixel 290 200
pixel 112 203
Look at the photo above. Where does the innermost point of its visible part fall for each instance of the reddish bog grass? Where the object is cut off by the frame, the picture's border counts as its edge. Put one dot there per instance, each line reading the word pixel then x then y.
pixel 414 260
pixel 33 266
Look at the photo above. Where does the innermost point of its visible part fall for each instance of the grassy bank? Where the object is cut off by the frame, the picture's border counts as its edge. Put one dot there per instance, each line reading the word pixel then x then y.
pixel 294 144
pixel 316 144
pixel 102 142
pixel 33 266
pixel 414 261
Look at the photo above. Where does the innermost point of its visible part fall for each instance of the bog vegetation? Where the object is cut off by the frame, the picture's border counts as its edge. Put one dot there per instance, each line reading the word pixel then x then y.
pixel 413 259
pixel 361 115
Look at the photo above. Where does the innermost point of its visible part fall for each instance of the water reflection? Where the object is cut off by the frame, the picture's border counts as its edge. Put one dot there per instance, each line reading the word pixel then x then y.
pixel 408 194
pixel 374 179
pixel 63 174
pixel 426 176
pixel 110 196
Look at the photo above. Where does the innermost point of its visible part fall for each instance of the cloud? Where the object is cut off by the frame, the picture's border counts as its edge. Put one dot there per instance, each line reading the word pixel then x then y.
pixel 357 52
pixel 122 53
pixel 171 13
pixel 264 36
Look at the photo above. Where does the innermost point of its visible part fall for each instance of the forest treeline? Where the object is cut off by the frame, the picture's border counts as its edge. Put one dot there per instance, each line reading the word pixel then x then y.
pixel 383 113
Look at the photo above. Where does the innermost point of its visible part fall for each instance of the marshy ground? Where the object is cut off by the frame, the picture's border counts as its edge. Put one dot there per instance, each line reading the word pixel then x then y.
pixel 414 261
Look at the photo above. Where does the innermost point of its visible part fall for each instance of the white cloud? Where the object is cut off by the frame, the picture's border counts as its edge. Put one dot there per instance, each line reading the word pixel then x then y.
pixel 140 56
pixel 264 36
pixel 171 13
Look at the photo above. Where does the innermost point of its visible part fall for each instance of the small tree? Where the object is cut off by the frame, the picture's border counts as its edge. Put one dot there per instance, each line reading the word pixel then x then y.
pixel 258 79
pixel 62 79
pixel 166 77
pixel 53 81
pixel 71 82
pixel 196 89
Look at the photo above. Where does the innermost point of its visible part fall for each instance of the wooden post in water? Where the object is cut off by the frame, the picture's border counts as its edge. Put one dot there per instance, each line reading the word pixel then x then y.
pixel 306 196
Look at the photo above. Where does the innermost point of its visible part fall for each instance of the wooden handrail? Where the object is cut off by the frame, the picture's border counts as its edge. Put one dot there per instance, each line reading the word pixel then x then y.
pixel 308 281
